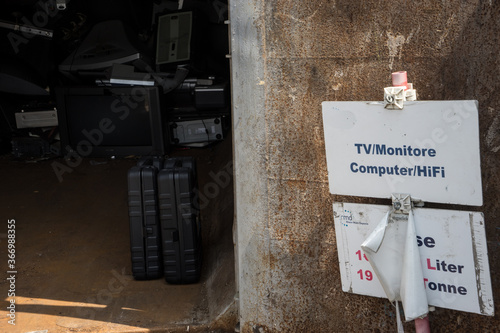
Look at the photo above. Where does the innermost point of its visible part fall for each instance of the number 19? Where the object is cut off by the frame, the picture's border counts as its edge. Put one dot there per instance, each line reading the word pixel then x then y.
pixel 368 275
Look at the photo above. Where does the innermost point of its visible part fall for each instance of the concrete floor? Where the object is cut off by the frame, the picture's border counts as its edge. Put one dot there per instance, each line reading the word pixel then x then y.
pixel 73 257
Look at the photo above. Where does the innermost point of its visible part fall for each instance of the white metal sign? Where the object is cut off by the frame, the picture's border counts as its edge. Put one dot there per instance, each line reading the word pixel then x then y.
pixel 430 149
pixel 453 252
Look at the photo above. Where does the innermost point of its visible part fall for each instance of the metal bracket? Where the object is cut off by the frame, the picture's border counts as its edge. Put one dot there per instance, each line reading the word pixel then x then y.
pixel 394 98
pixel 401 203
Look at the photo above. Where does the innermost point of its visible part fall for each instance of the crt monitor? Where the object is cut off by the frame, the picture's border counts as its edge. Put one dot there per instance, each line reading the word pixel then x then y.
pixel 110 121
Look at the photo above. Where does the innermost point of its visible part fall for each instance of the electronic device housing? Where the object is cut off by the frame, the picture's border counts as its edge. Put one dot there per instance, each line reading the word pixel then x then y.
pixel 110 121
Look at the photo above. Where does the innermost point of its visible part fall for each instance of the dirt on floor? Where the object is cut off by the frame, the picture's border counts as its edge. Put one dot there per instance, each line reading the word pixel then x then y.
pixel 72 269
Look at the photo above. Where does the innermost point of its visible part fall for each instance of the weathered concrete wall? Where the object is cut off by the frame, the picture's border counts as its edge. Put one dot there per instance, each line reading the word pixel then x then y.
pixel 288 57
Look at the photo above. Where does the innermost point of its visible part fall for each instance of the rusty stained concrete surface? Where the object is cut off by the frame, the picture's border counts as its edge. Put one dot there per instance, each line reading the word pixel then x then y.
pixel 346 50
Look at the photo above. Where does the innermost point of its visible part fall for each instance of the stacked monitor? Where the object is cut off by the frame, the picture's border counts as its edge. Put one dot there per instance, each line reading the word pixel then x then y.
pixel 110 121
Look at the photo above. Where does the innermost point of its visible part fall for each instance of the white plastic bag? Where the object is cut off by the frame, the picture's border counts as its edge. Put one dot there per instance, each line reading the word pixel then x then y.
pixel 393 253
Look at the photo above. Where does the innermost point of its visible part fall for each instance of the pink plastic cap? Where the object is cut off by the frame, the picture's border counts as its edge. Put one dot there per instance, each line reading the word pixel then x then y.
pixel 399 79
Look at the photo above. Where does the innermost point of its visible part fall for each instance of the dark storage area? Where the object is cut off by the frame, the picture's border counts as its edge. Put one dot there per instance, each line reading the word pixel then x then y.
pixel 87 88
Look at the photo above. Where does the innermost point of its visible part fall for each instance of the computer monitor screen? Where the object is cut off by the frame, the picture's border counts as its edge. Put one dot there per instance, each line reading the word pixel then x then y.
pixel 109 121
